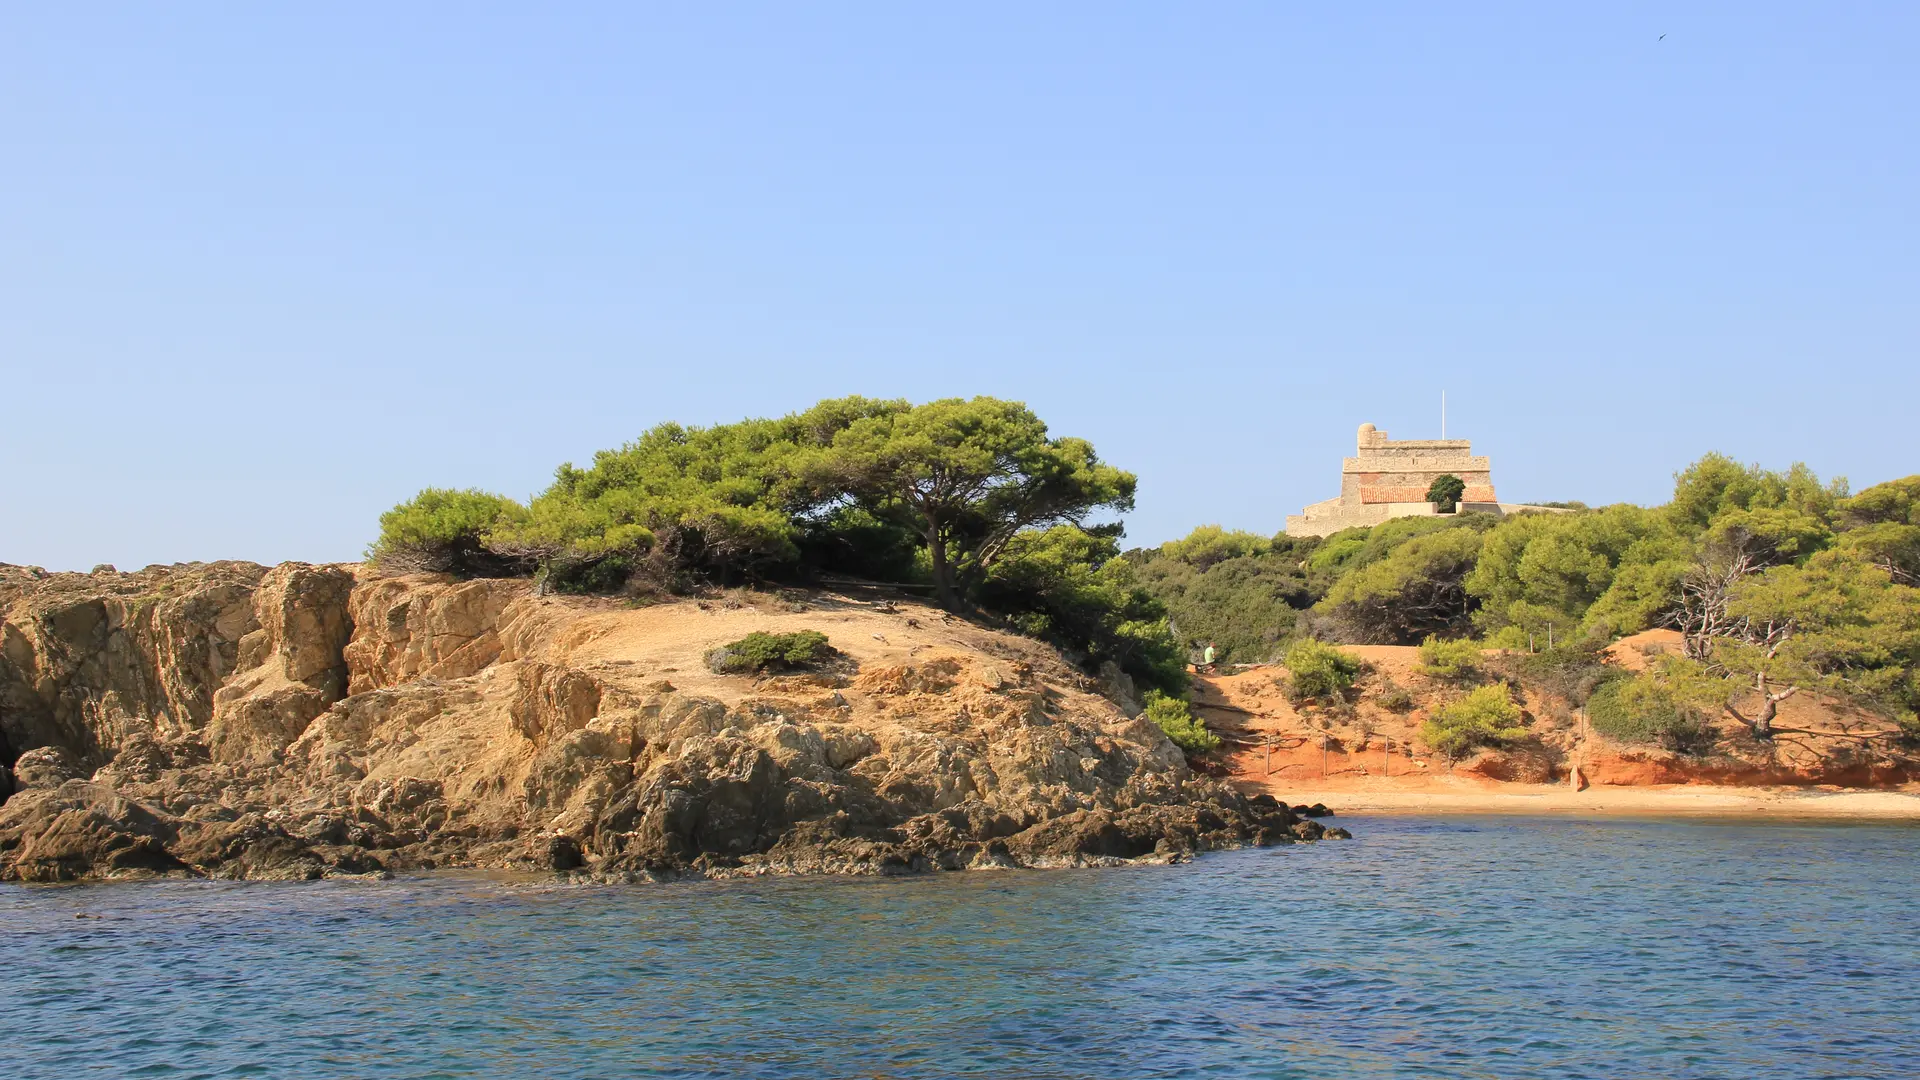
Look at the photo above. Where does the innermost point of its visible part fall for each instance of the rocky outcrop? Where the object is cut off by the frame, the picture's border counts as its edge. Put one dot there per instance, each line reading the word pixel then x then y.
pixel 87 659
pixel 292 666
pixel 232 720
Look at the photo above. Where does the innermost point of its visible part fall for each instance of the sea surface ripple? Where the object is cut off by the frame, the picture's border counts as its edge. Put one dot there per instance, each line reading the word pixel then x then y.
pixel 1465 947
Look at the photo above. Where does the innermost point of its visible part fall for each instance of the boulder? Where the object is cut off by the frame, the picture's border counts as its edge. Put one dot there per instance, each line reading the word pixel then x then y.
pixel 47 767
pixel 80 829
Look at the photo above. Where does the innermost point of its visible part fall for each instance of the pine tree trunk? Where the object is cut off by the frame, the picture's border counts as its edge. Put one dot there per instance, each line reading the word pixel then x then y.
pixel 942 571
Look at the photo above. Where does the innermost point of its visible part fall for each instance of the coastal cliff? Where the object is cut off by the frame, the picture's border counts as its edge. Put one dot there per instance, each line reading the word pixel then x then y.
pixel 235 720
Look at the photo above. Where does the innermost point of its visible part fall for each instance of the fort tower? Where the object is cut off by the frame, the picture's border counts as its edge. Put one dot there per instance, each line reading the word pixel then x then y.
pixel 1387 479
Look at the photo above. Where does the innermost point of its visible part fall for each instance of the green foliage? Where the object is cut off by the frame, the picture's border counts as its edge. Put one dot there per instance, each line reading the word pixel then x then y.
pixel 1821 590
pixel 967 476
pixel 1457 660
pixel 1417 589
pixel 1894 502
pixel 1507 637
pixel 760 651
pixel 1176 718
pixel 973 496
pixel 1895 549
pixel 1210 545
pixel 1485 717
pixel 1769 536
pixel 1613 570
pixel 444 530
pixel 713 503
pixel 1854 632
pixel 1716 483
pixel 1068 586
pixel 1445 491
pixel 1571 669
pixel 1355 549
pixel 1318 670
pixel 1641 709
pixel 1882 527
pixel 1339 552
pixel 1236 590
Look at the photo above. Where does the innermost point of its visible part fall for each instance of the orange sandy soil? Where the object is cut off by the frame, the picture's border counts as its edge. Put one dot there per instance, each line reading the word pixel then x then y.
pixel 1388 775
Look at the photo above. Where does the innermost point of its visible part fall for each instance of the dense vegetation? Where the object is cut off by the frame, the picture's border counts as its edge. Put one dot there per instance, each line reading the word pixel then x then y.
pixel 1318 670
pixel 1780 584
pixel 1649 710
pixel 1235 589
pixel 972 500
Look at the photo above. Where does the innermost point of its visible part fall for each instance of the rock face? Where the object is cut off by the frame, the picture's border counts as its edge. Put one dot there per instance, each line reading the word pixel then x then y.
pixel 233 720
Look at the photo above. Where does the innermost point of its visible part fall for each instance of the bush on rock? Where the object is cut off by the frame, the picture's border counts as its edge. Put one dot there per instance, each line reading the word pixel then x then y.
pixel 759 651
pixel 1175 717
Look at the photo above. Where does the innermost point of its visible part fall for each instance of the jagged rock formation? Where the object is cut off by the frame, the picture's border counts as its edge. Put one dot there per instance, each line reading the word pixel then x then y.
pixel 239 721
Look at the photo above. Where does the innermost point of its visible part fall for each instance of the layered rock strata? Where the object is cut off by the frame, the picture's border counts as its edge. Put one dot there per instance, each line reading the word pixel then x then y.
pixel 233 720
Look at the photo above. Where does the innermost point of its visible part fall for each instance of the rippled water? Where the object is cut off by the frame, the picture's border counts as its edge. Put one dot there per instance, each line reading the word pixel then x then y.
pixel 1443 948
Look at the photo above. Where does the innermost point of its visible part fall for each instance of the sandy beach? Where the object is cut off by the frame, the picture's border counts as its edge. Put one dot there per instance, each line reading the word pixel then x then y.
pixel 1439 796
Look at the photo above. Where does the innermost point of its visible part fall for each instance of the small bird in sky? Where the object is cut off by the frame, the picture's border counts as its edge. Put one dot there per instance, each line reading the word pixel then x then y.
pixel 1663 37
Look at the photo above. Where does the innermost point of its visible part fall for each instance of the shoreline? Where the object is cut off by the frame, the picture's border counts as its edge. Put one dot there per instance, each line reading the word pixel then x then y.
pixel 1559 800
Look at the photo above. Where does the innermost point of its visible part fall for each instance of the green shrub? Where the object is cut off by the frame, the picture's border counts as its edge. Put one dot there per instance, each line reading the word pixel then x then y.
pixel 1176 718
pixel 1393 697
pixel 443 530
pixel 1571 670
pixel 1458 660
pixel 761 651
pixel 1641 710
pixel 1485 717
pixel 1509 638
pixel 1318 670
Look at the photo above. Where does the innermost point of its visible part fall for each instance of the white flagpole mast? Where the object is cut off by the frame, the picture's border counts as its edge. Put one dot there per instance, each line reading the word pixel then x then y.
pixel 1443 414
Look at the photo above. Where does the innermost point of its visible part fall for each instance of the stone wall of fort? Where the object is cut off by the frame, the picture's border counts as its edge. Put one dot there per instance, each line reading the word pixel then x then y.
pixel 1387 479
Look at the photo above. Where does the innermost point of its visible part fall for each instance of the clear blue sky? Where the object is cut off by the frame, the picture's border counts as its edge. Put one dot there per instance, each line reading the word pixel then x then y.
pixel 265 273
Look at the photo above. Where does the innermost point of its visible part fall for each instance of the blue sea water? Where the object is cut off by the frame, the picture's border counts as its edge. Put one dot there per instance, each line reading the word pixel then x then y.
pixel 1465 947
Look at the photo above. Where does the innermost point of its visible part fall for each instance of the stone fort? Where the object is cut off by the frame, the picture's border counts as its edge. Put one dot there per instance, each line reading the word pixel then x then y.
pixel 1388 479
